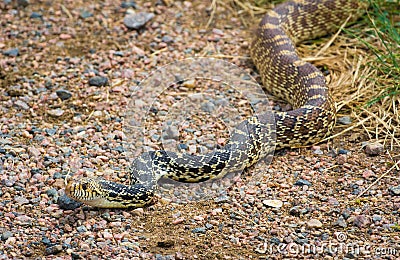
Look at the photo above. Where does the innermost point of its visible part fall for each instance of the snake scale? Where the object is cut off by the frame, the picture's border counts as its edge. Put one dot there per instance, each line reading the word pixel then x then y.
pixel 283 74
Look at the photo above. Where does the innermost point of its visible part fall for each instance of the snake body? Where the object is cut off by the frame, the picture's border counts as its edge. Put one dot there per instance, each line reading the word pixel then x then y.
pixel 283 74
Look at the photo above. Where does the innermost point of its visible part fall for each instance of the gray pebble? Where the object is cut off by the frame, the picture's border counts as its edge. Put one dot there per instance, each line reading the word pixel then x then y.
pixel 234 240
pixel 52 250
pixel 67 203
pixel 183 146
pixel 301 241
pixel 50 131
pixel 302 182
pixel 36 15
pixel 376 218
pixel 200 230
pixel 343 151
pixel 11 52
pixel 57 112
pixel 222 199
pixel 209 226
pixel 85 14
pixel 208 107
pixel 63 94
pixel 106 216
pixel 318 151
pixel 324 236
pixel 6 235
pixel 395 190
pixel 23 3
pixel 167 39
pixel 46 241
pixel 21 200
pixel 119 53
pixel 196 96
pixel 235 216
pixel 21 104
pixel 129 4
pixel 190 130
pixel 81 229
pixel 275 240
pixel 136 21
pixel 98 81
pixel 52 192
pixel 155 137
pixel 344 120
pixel 171 132
pixel 222 102
pixel 346 213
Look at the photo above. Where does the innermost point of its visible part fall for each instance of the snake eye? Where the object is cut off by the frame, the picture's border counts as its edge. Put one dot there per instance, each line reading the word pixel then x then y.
pixel 84 186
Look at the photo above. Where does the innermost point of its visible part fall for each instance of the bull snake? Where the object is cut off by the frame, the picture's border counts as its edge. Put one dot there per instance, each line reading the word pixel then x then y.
pixel 283 74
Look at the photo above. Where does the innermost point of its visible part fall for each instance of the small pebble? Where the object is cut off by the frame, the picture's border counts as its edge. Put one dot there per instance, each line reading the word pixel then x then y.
pixel 53 250
pixel 15 91
pixel 36 15
pixel 376 218
pixel 191 83
pixel 209 226
pixel 361 221
pixel 314 223
pixel 273 203
pixel 345 120
pixel 11 52
pixel 295 211
pixel 302 182
pixel 137 20
pixel 23 3
pixel 57 112
pixel 222 199
pixel 171 132
pixel 5 235
pixel 107 235
pixel 374 149
pixel 21 104
pixel 346 213
pixel 395 190
pixel 129 4
pixel 200 230
pixel 52 192
pixel 63 94
pixel 167 39
pixel 98 81
pixel 138 212
pixel 81 229
pixel 178 221
pixel 208 107
pixel 21 200
pixel 318 151
pixel 67 203
pixel 85 14
pixel 33 151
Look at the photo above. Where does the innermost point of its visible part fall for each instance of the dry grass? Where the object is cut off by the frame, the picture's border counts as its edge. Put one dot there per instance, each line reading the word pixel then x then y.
pixel 364 65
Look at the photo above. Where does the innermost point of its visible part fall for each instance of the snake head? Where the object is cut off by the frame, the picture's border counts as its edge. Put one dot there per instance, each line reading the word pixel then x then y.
pixel 106 194
pixel 85 190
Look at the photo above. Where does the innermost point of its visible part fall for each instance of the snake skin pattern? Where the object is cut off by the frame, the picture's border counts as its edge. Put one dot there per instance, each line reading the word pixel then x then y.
pixel 283 74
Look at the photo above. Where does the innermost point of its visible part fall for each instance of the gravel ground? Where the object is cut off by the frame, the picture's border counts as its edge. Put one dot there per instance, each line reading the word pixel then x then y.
pixel 68 69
